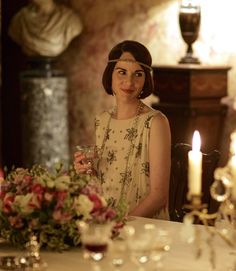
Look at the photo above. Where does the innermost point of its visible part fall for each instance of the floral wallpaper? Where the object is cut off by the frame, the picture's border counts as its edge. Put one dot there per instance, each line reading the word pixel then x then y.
pixel 153 23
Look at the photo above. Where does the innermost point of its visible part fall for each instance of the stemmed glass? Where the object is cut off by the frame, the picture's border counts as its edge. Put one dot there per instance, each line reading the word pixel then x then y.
pixel 91 154
pixel 139 241
pixel 161 245
pixel 147 243
pixel 118 253
pixel 95 239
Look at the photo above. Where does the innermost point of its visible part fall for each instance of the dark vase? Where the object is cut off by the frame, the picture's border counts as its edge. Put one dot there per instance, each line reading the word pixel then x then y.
pixel 189 22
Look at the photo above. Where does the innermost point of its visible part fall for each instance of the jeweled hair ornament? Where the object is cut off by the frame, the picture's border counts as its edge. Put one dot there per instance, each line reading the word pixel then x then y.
pixel 131 60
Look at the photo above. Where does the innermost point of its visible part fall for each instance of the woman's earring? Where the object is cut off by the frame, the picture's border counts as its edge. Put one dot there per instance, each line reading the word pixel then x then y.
pixel 140 94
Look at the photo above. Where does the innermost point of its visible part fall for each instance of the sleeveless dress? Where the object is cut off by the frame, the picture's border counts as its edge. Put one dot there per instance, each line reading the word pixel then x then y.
pixel 124 136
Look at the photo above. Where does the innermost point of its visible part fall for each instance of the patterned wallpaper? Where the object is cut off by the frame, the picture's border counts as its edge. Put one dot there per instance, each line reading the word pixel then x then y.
pixel 153 23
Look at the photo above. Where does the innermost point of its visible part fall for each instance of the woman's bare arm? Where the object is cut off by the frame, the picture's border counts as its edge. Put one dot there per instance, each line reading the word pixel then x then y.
pixel 160 161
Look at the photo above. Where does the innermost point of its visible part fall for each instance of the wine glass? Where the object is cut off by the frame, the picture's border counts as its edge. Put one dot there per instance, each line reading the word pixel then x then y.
pixel 160 245
pixel 118 253
pixel 91 153
pixel 95 239
pixel 139 242
pixel 147 244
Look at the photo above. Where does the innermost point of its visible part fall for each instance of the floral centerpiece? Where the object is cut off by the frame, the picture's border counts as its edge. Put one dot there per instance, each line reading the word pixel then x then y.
pixel 50 205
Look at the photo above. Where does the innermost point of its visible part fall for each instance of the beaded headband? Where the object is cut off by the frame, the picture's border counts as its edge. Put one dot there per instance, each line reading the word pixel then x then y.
pixel 132 61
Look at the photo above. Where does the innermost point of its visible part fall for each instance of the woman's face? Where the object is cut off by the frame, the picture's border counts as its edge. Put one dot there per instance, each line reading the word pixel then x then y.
pixel 128 77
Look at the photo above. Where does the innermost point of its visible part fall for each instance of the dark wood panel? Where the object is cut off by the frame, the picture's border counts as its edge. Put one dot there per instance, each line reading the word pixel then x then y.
pixel 182 83
pixel 190 97
pixel 13 62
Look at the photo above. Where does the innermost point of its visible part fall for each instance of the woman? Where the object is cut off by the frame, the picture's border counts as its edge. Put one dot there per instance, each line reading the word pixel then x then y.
pixel 134 140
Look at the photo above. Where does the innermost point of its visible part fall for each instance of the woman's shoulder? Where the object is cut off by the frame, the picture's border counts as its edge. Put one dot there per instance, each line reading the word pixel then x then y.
pixel 151 112
pixel 153 115
pixel 104 115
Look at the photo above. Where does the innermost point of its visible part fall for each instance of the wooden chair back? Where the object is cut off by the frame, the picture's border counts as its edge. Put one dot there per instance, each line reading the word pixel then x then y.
pixel 179 180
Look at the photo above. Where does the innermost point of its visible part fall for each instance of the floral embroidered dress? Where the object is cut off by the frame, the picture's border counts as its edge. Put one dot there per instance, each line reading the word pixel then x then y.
pixel 123 167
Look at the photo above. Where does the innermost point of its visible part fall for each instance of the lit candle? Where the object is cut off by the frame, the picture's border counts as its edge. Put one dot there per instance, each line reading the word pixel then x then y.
pixel 233 172
pixel 195 166
pixel 233 163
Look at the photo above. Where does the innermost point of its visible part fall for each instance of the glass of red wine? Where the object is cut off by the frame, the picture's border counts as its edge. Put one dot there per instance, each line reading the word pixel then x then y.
pixel 95 239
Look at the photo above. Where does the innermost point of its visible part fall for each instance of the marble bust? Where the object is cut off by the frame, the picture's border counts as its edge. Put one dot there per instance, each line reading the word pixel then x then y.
pixel 44 28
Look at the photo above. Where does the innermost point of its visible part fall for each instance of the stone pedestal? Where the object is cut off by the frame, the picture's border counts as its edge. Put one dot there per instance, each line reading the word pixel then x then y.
pixel 44 110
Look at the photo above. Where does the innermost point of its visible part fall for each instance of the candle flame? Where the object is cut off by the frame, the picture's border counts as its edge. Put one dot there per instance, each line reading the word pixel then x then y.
pixel 187 3
pixel 196 144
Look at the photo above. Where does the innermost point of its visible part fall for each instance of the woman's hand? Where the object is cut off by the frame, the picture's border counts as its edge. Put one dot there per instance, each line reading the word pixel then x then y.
pixel 81 165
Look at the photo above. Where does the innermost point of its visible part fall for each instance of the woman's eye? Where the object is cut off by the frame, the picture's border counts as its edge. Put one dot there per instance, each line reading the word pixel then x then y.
pixel 139 74
pixel 121 72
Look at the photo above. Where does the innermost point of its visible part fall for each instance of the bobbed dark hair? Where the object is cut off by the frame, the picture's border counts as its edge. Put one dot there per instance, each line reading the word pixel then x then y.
pixel 140 53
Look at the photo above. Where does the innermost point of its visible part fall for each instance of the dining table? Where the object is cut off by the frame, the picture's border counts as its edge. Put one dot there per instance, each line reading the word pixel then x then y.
pixel 181 256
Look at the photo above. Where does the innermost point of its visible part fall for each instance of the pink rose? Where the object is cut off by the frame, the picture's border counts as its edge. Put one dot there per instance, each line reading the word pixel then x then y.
pixel 37 189
pixel 7 202
pixel 96 201
pixel 61 195
pixel 36 201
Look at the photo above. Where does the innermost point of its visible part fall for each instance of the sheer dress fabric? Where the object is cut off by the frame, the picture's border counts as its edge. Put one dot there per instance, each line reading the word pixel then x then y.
pixel 112 164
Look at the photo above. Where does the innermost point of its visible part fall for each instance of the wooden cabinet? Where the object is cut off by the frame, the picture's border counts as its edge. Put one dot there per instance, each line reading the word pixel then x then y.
pixel 190 97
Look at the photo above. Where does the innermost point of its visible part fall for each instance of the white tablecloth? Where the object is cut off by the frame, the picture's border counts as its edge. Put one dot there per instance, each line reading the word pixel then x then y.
pixel 181 256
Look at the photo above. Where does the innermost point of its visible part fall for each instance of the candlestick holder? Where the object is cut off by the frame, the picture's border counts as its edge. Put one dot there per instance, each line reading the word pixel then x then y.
pixel 222 222
pixel 195 202
pixel 198 210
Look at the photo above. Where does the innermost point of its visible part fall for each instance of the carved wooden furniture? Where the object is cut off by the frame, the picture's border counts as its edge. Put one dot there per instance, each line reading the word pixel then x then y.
pixel 190 97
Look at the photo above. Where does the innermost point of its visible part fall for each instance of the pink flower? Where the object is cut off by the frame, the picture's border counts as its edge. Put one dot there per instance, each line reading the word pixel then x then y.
pixel 60 216
pixel 2 193
pixel 61 196
pixel 7 202
pixel 48 196
pixel 15 221
pixel 97 202
pixel 37 188
pixel 27 181
pixel 110 214
pixel 103 214
pixel 36 201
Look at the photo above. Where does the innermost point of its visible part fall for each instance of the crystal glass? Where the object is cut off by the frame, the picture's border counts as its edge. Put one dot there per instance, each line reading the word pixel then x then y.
pixel 139 242
pixel 95 239
pixel 91 154
pixel 147 243
pixel 118 253
pixel 160 246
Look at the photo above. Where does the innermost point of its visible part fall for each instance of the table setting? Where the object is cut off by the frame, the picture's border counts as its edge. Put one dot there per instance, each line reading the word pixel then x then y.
pixel 60 221
pixel 179 254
